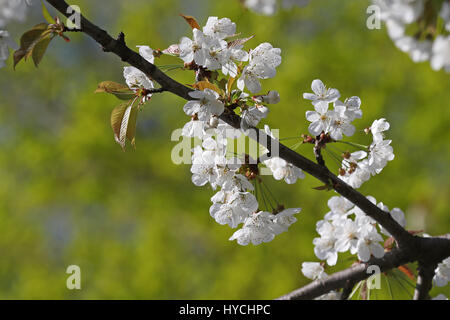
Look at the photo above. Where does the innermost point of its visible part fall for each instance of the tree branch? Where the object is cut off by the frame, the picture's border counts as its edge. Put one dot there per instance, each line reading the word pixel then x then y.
pixel 393 259
pixel 410 246
pixel 424 281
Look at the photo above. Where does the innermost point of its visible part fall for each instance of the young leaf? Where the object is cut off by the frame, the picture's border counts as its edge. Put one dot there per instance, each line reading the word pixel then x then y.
pixel 29 40
pixel 173 50
pixel 191 21
pixel 230 84
pixel 40 48
pixel 123 123
pixel 121 91
pixel 202 85
pixel 239 42
pixel 48 17
pixel 407 271
pixel 32 35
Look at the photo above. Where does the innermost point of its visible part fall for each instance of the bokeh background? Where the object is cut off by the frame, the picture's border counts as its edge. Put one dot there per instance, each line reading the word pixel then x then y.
pixel 133 221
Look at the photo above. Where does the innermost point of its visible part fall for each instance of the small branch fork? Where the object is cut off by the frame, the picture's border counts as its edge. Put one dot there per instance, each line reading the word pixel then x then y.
pixel 410 247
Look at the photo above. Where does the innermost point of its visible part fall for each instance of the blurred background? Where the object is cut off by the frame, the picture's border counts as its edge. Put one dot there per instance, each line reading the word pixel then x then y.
pixel 133 221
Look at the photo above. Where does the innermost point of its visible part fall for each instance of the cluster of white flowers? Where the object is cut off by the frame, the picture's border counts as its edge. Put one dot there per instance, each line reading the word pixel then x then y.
pixel 10 10
pixel 280 168
pixel 399 14
pixel 347 228
pixel 134 77
pixel 235 203
pixel 442 273
pixel 336 122
pixel 359 166
pixel 209 49
pixel 270 7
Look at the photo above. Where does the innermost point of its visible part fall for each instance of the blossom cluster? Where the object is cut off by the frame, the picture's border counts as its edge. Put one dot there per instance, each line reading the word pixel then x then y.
pixel 235 203
pixel 442 273
pixel 270 7
pixel 358 166
pixel 346 228
pixel 400 15
pixel 10 10
pixel 135 78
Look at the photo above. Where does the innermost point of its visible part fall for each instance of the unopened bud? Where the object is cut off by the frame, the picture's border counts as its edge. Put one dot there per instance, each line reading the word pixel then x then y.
pixel 213 122
pixel 272 97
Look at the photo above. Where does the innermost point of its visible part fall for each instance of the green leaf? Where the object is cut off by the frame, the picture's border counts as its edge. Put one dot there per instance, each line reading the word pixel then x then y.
pixel 29 40
pixel 121 91
pixel 40 48
pixel 48 17
pixel 123 122
pixel 32 35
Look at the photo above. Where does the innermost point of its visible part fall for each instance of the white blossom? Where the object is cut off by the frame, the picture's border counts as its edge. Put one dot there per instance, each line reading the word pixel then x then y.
pixel 313 270
pixel 233 207
pixel 257 229
pixel 324 246
pixel 320 119
pixel 262 63
pixel 440 297
pixel 347 235
pixel 368 243
pixel 340 124
pixel 272 97
pixel 332 295
pixel 5 43
pixel 194 50
pixel 194 128
pixel 399 216
pixel 134 77
pixel 265 7
pixel 13 10
pixel 281 169
pixel 445 14
pixel 352 107
pixel 284 219
pixel 219 28
pixel 441 54
pixel 380 153
pixel 378 127
pixel 339 207
pixel 442 273
pixel 251 116
pixel 321 94
pixel 205 105
pixel 356 169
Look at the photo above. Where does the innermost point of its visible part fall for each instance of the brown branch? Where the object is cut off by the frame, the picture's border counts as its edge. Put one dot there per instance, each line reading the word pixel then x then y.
pixel 393 259
pixel 409 245
pixel 424 281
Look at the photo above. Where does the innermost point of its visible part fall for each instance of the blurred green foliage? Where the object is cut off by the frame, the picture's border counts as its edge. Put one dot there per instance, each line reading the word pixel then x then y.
pixel 133 221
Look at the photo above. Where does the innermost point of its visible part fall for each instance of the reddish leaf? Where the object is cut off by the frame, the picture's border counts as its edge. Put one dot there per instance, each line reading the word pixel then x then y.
pixel 191 21
pixel 407 271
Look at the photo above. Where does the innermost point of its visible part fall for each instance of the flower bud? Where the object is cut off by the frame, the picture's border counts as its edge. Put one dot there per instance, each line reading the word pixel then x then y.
pixel 213 122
